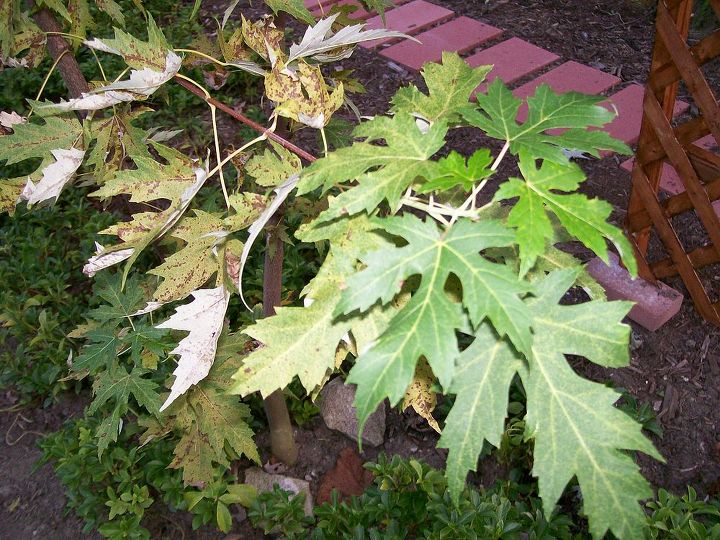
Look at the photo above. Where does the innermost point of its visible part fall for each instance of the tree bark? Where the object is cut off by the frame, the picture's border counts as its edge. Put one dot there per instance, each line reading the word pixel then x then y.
pixel 57 45
pixel 282 441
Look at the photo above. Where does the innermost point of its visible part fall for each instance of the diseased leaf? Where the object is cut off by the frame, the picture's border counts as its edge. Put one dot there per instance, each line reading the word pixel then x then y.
pixel 382 172
pixel 54 176
pixel 273 167
pixel 31 140
pixel 301 341
pixel 420 396
pixel 189 268
pixel 552 188
pixel 203 318
pixel 210 419
pixel 498 110
pixel 113 9
pixel 450 86
pixel 321 44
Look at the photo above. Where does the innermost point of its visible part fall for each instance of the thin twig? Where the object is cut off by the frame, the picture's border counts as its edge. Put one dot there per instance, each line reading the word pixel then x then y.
pixel 245 120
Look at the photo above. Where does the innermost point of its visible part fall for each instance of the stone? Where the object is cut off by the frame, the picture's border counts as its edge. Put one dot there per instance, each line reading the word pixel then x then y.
pixel 263 482
pixel 655 304
pixel 336 409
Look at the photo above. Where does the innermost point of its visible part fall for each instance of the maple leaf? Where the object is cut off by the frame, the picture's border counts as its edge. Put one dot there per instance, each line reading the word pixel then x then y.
pixel 420 396
pixel 454 170
pixel 209 419
pixel 382 172
pixel 550 188
pixel 115 139
pixel 274 166
pixel 190 267
pixel 136 53
pixel 295 8
pixel 303 95
pixel 302 341
pixel 323 45
pixel 572 112
pixel 426 325
pixel 100 353
pixel 577 430
pixel 203 318
pixel 113 9
pixel 119 303
pixel 30 140
pixel 177 181
pixel 7 29
pixel 54 177
pixel 117 385
pixel 450 86
pixel 483 374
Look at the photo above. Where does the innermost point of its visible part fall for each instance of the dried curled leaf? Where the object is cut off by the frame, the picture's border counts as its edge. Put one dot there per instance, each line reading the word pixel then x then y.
pixel 54 176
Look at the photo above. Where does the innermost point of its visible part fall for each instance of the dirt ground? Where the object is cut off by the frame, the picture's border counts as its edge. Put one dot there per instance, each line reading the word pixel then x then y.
pixel 673 369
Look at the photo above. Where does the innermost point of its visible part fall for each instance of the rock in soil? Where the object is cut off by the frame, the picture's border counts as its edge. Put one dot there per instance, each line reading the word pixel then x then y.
pixel 263 482
pixel 337 411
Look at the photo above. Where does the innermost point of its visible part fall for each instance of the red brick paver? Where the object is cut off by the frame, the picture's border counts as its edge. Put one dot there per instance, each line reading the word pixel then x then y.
pixel 459 35
pixel 629 103
pixel 569 77
pixel 409 18
pixel 655 304
pixel 512 60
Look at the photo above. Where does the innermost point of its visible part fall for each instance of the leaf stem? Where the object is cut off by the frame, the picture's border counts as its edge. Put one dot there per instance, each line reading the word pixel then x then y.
pixel 47 78
pixel 213 110
pixel 500 156
pixel 245 120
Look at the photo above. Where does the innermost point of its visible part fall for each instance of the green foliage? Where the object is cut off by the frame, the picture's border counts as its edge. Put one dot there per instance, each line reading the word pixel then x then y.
pixel 683 518
pixel 44 293
pixel 410 500
pixel 112 493
pixel 210 505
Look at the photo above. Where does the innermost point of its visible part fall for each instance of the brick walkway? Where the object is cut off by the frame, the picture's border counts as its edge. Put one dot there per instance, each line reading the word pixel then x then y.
pixel 439 29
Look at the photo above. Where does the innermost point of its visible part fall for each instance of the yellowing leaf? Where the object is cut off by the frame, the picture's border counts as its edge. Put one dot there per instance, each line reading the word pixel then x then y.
pixel 273 167
pixel 203 318
pixel 264 38
pixel 303 96
pixel 420 396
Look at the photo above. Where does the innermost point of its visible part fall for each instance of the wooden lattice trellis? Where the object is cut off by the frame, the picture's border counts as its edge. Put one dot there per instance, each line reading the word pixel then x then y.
pixel 660 142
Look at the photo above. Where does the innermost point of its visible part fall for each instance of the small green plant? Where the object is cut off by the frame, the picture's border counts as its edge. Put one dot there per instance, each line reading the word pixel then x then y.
pixel 210 504
pixel 641 411
pixel 44 294
pixel 112 492
pixel 410 500
pixel 683 518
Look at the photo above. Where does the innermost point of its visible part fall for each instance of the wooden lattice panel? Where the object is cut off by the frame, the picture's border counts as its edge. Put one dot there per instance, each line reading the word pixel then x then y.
pixel 662 142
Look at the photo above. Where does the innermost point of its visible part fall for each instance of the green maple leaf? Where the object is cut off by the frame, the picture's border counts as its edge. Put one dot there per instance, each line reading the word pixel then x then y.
pixel 189 268
pixel 301 341
pixel 273 167
pixel 116 385
pixel 454 171
pixel 483 375
pixel 58 7
pixel 550 188
pixel 450 86
pixel 120 303
pixel 210 420
pixel 7 29
pixel 575 112
pixel 145 337
pixel 382 172
pixel 296 8
pixel 81 19
pixel 577 430
pixel 100 353
pixel 426 325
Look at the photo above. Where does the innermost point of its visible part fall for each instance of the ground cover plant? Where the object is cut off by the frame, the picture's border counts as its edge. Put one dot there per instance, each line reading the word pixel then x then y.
pixel 422 277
